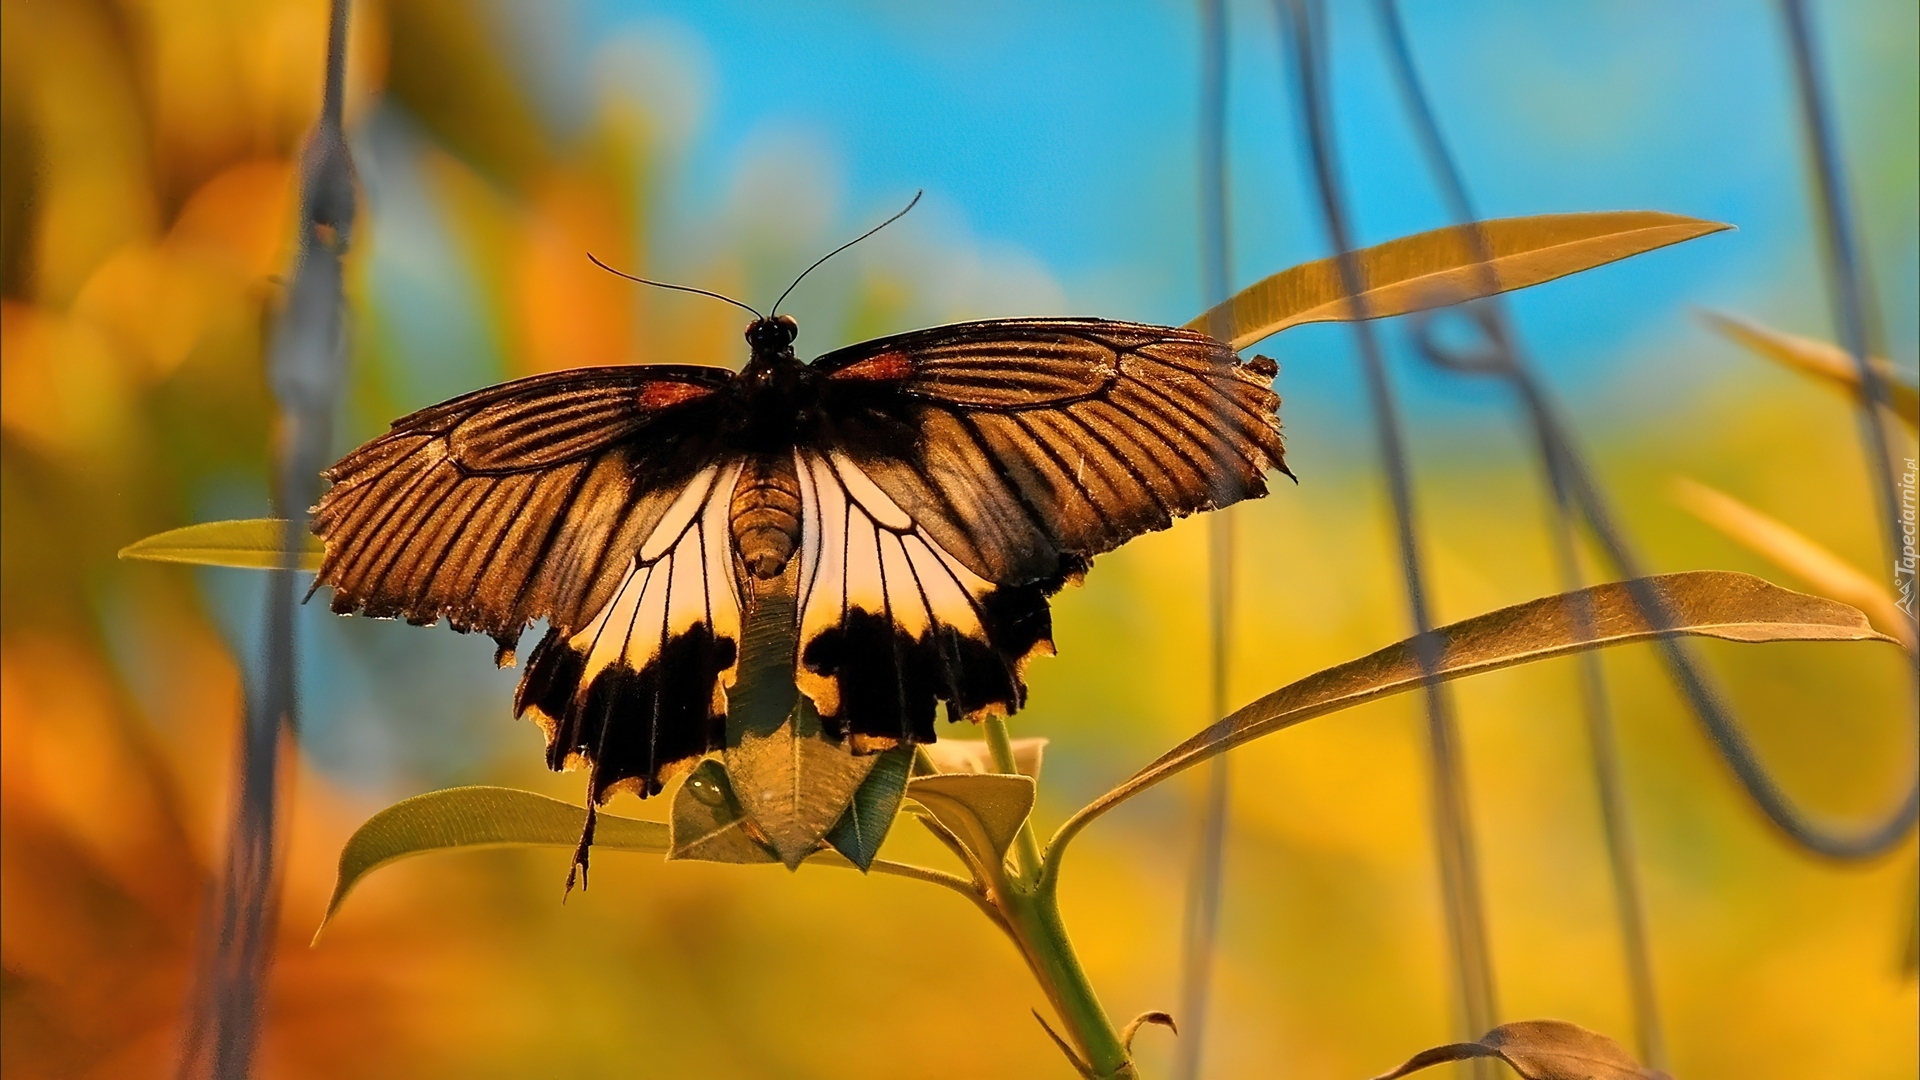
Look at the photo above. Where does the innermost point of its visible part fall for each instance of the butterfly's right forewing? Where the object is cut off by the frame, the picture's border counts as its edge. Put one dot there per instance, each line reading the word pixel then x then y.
pixel 1028 446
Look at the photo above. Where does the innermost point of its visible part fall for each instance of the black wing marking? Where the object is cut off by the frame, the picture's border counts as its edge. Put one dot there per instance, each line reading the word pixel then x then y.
pixel 522 501
pixel 639 692
pixel 1027 446
pixel 890 622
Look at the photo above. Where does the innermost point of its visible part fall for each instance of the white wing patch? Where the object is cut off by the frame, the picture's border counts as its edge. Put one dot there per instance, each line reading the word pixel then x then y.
pixel 682 576
pixel 860 552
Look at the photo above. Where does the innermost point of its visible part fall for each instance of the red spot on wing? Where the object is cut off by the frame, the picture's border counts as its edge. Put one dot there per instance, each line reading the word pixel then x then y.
pixel 887 367
pixel 665 395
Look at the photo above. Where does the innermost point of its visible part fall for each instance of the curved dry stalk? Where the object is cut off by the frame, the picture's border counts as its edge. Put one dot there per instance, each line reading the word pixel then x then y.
pixel 305 363
pixel 1358 292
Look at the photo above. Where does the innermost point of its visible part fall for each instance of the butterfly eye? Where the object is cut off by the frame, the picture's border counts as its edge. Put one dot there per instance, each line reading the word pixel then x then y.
pixel 787 325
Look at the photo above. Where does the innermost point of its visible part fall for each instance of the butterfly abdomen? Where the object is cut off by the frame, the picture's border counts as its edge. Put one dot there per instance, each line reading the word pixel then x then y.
pixel 765 515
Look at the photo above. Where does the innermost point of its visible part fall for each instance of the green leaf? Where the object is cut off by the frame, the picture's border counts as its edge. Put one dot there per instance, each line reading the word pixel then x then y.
pixel 983 810
pixel 1539 1050
pixel 482 817
pixel 868 819
pixel 975 756
pixel 1434 269
pixel 708 824
pixel 1820 360
pixel 794 783
pixel 1707 603
pixel 479 817
pixel 250 544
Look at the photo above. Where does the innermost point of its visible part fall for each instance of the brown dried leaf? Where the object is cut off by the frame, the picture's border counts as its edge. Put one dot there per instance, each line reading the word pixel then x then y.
pixel 1434 269
pixel 1829 574
pixel 1155 1016
pixel 1708 603
pixel 1819 359
pixel 1539 1050
pixel 249 544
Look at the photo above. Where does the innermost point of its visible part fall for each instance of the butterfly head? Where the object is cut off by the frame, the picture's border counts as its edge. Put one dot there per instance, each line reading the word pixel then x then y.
pixel 772 336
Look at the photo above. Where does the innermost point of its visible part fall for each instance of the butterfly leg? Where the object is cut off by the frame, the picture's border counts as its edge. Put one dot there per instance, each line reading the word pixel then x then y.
pixel 579 864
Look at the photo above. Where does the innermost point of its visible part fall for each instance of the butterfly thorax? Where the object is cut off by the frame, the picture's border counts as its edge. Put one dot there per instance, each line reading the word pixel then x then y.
pixel 774 390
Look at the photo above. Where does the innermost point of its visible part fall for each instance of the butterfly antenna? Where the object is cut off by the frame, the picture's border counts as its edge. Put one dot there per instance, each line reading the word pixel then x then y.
pixel 670 285
pixel 816 265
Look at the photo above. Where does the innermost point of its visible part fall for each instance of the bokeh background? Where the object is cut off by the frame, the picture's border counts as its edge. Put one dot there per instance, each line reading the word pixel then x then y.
pixel 148 201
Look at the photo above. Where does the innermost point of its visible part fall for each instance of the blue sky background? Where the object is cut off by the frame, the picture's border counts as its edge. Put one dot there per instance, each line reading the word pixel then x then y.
pixel 1066 132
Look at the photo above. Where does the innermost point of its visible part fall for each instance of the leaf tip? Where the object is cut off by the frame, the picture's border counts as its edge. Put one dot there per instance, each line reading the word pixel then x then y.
pixel 326 917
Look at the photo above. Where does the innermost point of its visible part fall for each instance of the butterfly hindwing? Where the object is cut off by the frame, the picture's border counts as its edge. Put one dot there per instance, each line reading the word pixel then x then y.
pixel 639 691
pixel 890 622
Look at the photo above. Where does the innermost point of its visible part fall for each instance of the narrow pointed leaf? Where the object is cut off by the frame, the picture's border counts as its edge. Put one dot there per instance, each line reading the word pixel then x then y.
pixel 1829 574
pixel 1539 1050
pixel 708 824
pixel 868 819
pixel 479 817
pixel 1819 359
pixel 466 818
pixel 1707 603
pixel 249 544
pixel 975 756
pixel 985 810
pixel 1434 269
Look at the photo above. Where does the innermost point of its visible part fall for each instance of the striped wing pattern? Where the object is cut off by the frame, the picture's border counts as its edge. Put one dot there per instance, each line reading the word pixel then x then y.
pixel 890 622
pixel 950 481
pixel 523 501
pixel 1039 443
pixel 641 688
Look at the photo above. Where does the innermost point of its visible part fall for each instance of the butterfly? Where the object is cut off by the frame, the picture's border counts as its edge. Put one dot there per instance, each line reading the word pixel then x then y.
pixel 877 532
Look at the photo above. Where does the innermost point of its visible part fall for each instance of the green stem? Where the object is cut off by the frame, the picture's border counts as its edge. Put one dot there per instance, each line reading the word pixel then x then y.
pixel 1030 909
pixel 1033 918
pixel 1026 847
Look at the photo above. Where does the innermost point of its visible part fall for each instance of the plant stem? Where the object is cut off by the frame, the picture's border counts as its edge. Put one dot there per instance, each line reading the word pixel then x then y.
pixel 1033 919
pixel 1026 847
pixel 1030 907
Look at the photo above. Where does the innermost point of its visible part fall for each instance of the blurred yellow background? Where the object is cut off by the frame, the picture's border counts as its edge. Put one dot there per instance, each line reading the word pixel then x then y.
pixel 148 201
